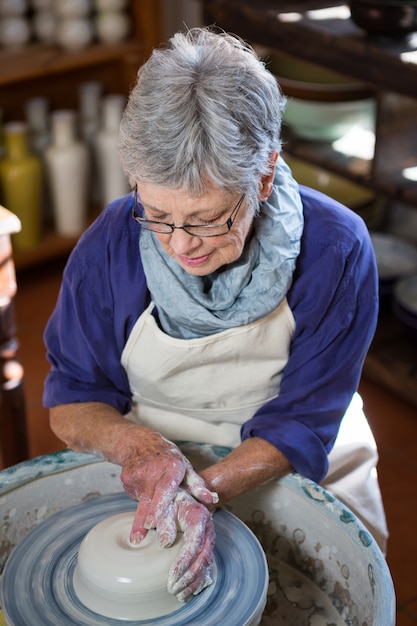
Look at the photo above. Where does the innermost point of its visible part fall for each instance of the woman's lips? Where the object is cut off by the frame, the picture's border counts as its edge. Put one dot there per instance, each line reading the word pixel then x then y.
pixel 193 262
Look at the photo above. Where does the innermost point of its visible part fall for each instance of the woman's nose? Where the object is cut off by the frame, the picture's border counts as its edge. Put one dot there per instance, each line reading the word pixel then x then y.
pixel 182 242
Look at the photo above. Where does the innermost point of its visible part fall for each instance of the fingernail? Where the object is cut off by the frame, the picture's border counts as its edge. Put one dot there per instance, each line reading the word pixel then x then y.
pixel 149 523
pixel 165 541
pixel 170 584
pixel 183 596
pixel 136 539
pixel 173 585
pixel 208 581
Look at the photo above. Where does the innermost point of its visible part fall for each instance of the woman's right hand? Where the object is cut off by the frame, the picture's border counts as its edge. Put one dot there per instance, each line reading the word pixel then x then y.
pixel 192 571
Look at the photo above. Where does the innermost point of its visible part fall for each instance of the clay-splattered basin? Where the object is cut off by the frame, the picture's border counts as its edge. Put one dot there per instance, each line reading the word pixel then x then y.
pixel 322 562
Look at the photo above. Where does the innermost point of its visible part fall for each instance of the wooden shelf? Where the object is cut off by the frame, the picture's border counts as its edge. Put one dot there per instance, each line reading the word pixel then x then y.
pixel 297 27
pixel 56 74
pixel 308 30
pixel 37 60
pixel 321 32
pixel 358 170
pixel 51 247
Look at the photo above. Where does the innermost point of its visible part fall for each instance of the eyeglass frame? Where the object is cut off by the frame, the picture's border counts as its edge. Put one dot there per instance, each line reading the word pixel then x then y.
pixel 228 223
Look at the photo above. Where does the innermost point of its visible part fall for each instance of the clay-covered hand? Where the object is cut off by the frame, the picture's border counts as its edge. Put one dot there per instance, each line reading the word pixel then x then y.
pixel 151 473
pixel 192 571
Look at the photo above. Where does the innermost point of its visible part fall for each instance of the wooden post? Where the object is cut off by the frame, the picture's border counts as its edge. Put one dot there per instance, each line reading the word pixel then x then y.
pixel 13 434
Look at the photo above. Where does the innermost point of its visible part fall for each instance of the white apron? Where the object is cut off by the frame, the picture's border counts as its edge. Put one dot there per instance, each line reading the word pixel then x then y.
pixel 204 389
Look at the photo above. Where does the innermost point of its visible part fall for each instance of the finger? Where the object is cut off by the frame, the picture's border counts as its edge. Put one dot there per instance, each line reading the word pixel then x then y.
pixel 166 487
pixel 150 510
pixel 154 507
pixel 138 531
pixel 196 586
pixel 196 553
pixel 167 527
pixel 196 486
pixel 198 575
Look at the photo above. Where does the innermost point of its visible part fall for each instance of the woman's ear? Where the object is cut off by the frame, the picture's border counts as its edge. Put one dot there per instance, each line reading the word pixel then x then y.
pixel 267 181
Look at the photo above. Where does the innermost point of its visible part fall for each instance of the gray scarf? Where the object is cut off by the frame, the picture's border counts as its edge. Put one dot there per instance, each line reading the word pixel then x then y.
pixel 248 289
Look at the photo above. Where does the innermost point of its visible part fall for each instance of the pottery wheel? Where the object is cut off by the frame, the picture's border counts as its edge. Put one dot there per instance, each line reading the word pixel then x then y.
pixel 37 588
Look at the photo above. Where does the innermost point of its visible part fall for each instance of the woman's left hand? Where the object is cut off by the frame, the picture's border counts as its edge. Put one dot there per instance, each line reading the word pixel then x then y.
pixel 152 472
pixel 191 572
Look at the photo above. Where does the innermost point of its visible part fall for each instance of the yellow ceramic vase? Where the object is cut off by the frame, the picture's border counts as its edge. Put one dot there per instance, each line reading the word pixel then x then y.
pixel 21 182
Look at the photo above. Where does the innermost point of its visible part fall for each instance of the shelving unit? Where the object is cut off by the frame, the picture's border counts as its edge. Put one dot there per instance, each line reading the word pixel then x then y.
pixel 49 71
pixel 322 32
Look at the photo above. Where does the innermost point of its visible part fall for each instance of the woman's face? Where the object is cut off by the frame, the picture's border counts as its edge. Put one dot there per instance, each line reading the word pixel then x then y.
pixel 197 255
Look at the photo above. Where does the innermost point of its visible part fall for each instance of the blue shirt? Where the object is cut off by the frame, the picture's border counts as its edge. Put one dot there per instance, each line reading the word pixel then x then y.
pixel 333 298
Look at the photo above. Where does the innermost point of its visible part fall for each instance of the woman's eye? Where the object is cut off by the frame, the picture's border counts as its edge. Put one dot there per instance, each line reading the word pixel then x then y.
pixel 157 218
pixel 209 222
pixel 205 222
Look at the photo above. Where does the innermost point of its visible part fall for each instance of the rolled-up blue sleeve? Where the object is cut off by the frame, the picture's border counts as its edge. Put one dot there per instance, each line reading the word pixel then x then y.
pixel 86 332
pixel 334 300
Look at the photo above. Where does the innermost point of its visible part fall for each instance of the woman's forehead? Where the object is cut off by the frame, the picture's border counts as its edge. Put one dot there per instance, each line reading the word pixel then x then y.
pixel 161 198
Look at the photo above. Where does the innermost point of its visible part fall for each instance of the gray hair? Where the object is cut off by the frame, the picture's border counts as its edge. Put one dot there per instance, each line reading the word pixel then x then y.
pixel 203 109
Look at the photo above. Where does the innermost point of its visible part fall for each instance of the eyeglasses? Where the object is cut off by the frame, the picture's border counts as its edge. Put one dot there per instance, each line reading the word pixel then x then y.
pixel 209 230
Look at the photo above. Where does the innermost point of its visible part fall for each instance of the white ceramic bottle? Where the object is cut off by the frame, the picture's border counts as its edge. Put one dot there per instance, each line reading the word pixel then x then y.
pixel 89 96
pixel 68 174
pixel 37 119
pixel 113 182
pixel 89 109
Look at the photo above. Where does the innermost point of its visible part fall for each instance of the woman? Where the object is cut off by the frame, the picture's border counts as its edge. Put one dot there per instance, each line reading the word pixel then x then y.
pixel 218 303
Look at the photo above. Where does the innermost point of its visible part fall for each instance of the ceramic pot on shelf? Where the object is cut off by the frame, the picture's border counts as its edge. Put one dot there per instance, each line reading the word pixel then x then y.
pixel 112 26
pixel 75 28
pixel 39 135
pixel 111 5
pixel 15 29
pixel 73 8
pixel 37 119
pixel 385 18
pixel 113 182
pixel 45 23
pixel 68 174
pixel 90 97
pixel 15 32
pixel 44 20
pixel 113 22
pixel 13 8
pixel 21 181
pixel 43 5
pixel 75 33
